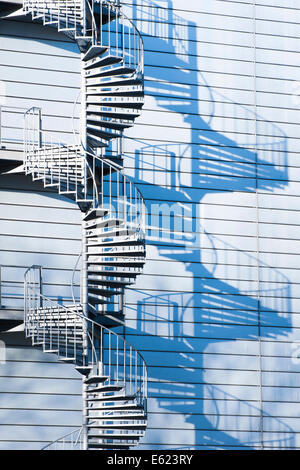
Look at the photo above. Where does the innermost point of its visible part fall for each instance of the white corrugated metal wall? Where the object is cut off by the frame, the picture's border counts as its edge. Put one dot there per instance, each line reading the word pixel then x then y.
pixel 40 399
pixel 216 312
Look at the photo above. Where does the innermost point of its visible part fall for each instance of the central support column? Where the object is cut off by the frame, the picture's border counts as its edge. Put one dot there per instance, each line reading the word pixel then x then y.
pixel 84 274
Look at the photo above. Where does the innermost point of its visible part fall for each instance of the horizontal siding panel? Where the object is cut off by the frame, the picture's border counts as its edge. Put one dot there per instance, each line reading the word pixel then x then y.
pixel 216 312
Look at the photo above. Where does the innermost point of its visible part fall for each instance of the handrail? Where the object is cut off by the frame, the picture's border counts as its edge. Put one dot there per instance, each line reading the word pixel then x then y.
pixel 81 316
pixel 43 140
pixel 117 6
pixel 65 436
pixel 98 325
pixel 27 4
pixel 89 176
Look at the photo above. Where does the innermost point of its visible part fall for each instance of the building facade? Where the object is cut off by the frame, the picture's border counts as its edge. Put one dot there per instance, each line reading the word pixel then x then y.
pixel 215 155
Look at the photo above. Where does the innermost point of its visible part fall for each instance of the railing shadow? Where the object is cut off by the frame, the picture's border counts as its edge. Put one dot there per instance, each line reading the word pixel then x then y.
pixel 211 331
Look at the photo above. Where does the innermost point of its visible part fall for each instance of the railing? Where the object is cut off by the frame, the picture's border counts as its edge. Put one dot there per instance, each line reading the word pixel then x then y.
pixel 66 14
pixel 117 32
pixel 71 441
pixel 74 337
pixel 111 29
pixel 224 410
pixel 12 286
pixel 76 171
pixel 11 127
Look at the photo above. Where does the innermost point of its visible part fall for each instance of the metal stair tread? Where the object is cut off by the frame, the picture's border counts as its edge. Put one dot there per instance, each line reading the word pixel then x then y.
pixel 105 71
pixel 102 60
pixel 93 51
pixel 116 101
pixel 95 445
pixel 119 262
pixel 112 398
pixel 117 417
pixel 117 407
pixel 103 222
pixel 116 242
pixel 96 379
pixel 120 436
pixel 113 124
pixel 109 233
pixel 117 426
pixel 112 282
pixel 101 291
pixel 126 113
pixel 106 388
pixel 95 212
pixel 97 299
pixel 113 274
pixel 114 81
pixel 105 133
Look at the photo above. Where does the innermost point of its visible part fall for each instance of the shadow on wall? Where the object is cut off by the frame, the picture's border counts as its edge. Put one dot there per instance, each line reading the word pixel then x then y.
pixel 210 334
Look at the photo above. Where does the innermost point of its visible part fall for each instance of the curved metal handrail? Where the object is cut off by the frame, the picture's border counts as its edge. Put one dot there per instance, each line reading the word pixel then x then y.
pixel 79 430
pixel 85 318
pixel 44 140
pixel 118 7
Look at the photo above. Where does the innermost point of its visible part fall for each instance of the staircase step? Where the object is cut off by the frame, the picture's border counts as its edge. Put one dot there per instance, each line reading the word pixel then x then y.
pixel 102 132
pixel 94 445
pixel 112 273
pixel 96 299
pixel 57 150
pixel 118 407
pixel 109 282
pixel 116 242
pixel 118 113
pixel 124 262
pixel 112 124
pixel 110 233
pixel 117 417
pixel 112 398
pixel 117 426
pixel 116 101
pixel 96 379
pixel 96 141
pixel 107 275
pixel 104 90
pixel 94 51
pixel 113 253
pixel 126 436
pixel 101 291
pixel 114 81
pixel 109 71
pixel 100 222
pixel 83 370
pixel 95 213
pixel 109 320
pixel 102 61
pixel 106 388
pixel 104 313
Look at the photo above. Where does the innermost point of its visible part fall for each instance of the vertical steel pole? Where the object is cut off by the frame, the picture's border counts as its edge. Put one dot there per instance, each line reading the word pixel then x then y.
pixel 0 285
pixel 84 280
pixel 0 126
pixel 40 139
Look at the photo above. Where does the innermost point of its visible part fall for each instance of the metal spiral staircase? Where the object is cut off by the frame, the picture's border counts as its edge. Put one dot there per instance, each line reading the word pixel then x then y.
pixel 113 250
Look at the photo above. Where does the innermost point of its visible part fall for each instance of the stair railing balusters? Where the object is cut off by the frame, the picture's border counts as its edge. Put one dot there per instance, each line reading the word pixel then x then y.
pixel 109 357
pixel 116 27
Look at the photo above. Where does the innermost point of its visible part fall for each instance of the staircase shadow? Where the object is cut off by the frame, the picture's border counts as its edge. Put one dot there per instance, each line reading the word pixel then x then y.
pixel 196 327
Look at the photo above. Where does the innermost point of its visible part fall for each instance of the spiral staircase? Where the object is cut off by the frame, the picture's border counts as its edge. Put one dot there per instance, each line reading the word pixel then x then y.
pixel 113 217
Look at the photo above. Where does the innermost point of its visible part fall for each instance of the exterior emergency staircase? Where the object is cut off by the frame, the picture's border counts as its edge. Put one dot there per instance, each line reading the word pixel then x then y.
pixel 113 249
